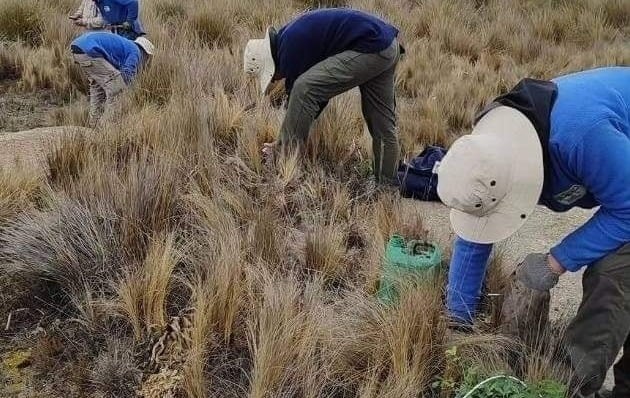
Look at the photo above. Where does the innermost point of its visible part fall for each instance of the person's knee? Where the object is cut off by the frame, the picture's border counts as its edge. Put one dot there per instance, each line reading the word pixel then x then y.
pixel 302 91
pixel 115 87
pixel 390 138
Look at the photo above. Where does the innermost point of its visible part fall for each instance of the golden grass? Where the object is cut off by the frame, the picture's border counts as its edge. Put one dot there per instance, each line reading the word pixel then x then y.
pixel 173 206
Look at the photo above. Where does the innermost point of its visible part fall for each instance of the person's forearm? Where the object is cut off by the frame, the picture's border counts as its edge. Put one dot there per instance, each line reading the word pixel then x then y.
pixel 601 235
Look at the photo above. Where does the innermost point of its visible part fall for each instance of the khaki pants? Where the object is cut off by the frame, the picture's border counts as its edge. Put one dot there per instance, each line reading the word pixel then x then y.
pixel 106 83
pixel 374 75
pixel 601 327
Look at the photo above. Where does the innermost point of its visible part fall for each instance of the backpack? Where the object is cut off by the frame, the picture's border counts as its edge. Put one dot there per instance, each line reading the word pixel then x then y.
pixel 416 178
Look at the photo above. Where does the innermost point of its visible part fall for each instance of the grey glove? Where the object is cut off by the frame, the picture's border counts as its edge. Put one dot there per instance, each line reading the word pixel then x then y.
pixel 535 273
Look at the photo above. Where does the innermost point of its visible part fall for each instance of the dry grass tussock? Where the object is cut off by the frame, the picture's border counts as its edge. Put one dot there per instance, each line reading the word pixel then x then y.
pixel 181 261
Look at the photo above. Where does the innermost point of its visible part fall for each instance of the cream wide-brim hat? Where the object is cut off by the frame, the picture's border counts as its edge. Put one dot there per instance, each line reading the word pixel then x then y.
pixel 492 179
pixel 258 61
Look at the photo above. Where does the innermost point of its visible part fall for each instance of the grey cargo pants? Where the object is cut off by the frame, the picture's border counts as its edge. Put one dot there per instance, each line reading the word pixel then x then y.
pixel 601 327
pixel 374 75
pixel 106 83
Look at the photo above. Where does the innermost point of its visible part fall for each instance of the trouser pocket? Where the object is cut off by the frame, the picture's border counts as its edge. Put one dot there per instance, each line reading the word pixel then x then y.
pixel 390 52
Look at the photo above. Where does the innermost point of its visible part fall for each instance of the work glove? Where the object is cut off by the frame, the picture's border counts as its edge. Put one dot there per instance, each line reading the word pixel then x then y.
pixel 125 26
pixel 535 273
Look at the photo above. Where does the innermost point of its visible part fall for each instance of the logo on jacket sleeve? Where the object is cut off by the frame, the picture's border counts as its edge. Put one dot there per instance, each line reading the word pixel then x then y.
pixel 107 9
pixel 571 195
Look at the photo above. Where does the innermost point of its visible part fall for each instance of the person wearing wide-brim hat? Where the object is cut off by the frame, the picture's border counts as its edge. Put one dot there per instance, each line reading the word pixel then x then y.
pixel 322 54
pixel 563 143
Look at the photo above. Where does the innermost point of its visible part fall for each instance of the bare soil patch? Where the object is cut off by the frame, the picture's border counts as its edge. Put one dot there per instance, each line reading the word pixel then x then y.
pixel 23 111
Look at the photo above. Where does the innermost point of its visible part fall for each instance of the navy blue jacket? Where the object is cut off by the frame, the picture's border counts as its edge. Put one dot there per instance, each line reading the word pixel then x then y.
pixel 317 35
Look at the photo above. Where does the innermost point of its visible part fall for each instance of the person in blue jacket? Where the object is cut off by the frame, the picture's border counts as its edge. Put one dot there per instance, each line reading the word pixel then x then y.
pixel 110 62
pixel 124 14
pixel 563 143
pixel 322 54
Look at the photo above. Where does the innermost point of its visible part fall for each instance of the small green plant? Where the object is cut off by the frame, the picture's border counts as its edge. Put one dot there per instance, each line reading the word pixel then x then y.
pixel 548 389
pixel 499 387
pixel 447 383
pixel 477 385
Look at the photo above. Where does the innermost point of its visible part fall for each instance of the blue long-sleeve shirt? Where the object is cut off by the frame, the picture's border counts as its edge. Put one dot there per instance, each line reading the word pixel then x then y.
pixel 317 35
pixel 589 147
pixel 122 53
pixel 116 12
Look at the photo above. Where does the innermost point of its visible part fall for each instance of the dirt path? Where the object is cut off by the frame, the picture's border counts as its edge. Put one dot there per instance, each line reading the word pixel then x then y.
pixel 543 230
pixel 29 148
pixel 21 110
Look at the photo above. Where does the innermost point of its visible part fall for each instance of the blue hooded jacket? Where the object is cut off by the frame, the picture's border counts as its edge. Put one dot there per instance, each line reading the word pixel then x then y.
pixel 123 54
pixel 589 166
pixel 116 12
pixel 320 34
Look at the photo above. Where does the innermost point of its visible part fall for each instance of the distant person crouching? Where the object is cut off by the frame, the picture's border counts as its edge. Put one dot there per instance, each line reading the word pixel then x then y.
pixel 110 62
pixel 122 16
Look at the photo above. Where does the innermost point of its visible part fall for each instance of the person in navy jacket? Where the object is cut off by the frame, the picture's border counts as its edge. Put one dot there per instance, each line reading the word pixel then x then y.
pixel 562 143
pixel 322 54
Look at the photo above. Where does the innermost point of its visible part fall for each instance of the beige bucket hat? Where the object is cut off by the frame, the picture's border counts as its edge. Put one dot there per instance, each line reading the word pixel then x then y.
pixel 145 44
pixel 258 60
pixel 492 178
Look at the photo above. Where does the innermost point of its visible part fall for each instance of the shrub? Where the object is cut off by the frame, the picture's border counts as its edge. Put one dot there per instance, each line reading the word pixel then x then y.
pixel 114 373
pixel 21 20
pixel 170 11
pixel 21 190
pixel 10 67
pixel 214 25
pixel 63 255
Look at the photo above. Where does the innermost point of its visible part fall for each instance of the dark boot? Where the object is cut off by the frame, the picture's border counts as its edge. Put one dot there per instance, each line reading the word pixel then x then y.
pixel 622 373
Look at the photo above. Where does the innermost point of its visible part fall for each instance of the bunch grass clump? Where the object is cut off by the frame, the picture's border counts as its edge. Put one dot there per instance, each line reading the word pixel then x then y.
pixel 22 20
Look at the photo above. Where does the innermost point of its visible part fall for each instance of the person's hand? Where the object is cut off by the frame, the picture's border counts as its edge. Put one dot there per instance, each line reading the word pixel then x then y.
pixel 125 26
pixel 555 265
pixel 536 272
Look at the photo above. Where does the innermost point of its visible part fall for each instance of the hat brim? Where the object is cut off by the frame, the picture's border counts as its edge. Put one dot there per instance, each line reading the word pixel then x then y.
pixel 268 65
pixel 512 132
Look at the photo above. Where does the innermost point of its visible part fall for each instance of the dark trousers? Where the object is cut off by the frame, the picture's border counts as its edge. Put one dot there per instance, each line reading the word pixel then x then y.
pixel 374 75
pixel 601 327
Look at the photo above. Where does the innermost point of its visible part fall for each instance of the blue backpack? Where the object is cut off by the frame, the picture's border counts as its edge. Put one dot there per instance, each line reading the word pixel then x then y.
pixel 417 179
